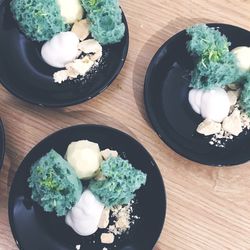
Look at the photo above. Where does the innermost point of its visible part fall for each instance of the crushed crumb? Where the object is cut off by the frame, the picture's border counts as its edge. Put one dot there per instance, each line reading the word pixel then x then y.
pixel 90 53
pixel 122 219
pixel 78 247
pixel 230 129
pixel 60 76
pixel 105 248
pixel 74 69
pixel 236 121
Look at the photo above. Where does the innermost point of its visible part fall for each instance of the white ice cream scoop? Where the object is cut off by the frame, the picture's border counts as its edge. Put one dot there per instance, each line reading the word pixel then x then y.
pixel 61 49
pixel 84 217
pixel 211 104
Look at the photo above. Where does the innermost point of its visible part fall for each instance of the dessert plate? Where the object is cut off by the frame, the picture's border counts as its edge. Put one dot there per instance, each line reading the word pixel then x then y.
pixel 32 228
pixel 24 73
pixel 2 143
pixel 166 99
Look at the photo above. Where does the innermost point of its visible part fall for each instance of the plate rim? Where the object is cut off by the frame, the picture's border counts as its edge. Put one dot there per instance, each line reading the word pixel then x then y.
pixel 21 166
pixel 149 111
pixel 79 100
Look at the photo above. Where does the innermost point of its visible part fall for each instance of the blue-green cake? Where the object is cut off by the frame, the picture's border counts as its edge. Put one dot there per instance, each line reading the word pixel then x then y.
pixel 120 183
pixel 54 184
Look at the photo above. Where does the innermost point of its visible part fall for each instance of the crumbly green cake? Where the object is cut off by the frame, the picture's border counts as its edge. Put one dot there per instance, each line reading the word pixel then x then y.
pixel 54 184
pixel 105 18
pixel 39 20
pixel 122 180
pixel 216 65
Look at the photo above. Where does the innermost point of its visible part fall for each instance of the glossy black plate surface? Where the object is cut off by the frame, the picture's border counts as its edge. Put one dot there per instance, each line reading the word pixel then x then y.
pixel 2 144
pixel 166 100
pixel 24 73
pixel 34 229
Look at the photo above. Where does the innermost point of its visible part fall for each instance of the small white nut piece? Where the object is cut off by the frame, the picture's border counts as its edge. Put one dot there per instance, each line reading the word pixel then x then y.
pixel 104 221
pixel 78 247
pixel 232 124
pixel 233 86
pixel 81 29
pixel 90 46
pixel 108 153
pixel 96 56
pixel 208 127
pixel 233 96
pixel 107 238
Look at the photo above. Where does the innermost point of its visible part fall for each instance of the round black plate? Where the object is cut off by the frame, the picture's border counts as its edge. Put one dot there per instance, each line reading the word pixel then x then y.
pixel 24 73
pixel 2 143
pixel 166 100
pixel 34 229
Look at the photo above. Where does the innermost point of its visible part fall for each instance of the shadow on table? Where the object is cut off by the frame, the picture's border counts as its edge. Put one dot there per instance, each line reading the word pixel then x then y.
pixel 149 49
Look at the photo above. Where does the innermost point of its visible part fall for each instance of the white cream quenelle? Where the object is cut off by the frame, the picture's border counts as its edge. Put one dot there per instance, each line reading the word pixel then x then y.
pixel 61 49
pixel 84 217
pixel 85 157
pixel 211 104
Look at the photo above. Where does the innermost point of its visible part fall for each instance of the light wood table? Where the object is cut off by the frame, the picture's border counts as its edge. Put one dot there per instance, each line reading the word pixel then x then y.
pixel 208 208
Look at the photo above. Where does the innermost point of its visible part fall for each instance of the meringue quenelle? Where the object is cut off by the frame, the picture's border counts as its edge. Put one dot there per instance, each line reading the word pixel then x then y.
pixel 61 49
pixel 85 157
pixel 84 217
pixel 211 104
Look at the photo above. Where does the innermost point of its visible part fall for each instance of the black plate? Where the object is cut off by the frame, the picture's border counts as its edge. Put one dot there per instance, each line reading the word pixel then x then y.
pixel 34 229
pixel 166 99
pixel 24 73
pixel 2 143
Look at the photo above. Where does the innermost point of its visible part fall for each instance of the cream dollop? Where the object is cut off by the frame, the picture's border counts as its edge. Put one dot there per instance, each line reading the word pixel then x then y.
pixel 84 217
pixel 242 54
pixel 211 104
pixel 85 157
pixel 61 49
pixel 71 10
